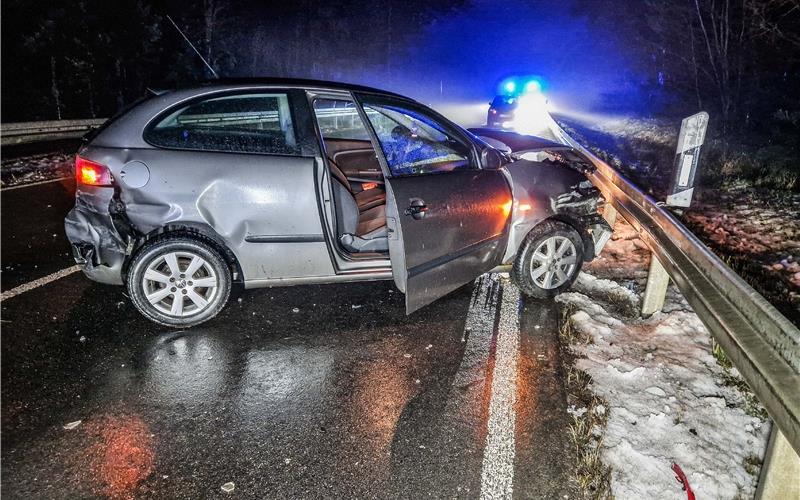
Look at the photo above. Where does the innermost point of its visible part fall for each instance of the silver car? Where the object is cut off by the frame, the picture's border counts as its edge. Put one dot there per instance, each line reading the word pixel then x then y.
pixel 286 182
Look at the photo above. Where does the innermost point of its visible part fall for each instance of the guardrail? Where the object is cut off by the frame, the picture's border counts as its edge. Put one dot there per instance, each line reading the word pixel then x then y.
pixel 26 132
pixel 762 344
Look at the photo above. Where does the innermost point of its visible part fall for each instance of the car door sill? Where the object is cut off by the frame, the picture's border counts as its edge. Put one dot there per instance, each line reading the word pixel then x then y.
pixel 373 275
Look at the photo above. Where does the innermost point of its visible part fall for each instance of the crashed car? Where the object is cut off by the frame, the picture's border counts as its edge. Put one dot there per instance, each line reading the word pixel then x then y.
pixel 279 182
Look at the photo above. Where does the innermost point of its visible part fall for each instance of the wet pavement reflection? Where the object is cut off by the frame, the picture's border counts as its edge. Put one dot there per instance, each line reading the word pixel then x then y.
pixel 348 397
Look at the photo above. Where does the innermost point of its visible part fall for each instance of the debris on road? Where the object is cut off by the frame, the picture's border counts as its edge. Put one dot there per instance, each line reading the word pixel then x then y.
pixel 228 487
pixel 294 310
pixel 72 425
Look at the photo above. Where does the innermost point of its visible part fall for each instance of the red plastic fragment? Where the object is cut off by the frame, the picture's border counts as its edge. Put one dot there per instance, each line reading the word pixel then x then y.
pixel 681 478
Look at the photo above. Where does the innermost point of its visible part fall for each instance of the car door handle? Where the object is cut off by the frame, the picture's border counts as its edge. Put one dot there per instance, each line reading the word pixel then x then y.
pixel 417 209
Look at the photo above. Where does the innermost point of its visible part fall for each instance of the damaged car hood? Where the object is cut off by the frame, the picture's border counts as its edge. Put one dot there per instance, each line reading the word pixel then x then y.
pixel 518 143
pixel 524 147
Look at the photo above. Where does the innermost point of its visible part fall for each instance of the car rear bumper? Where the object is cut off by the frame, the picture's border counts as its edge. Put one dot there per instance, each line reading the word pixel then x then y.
pixel 96 244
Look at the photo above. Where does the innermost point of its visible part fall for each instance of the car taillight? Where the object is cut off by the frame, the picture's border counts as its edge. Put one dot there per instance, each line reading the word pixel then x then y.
pixel 91 173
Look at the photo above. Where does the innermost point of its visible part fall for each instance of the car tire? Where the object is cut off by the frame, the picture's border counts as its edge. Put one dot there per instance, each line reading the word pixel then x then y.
pixel 165 281
pixel 549 260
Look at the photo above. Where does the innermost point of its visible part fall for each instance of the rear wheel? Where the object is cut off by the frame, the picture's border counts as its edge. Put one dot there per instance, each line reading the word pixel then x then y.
pixel 179 282
pixel 549 260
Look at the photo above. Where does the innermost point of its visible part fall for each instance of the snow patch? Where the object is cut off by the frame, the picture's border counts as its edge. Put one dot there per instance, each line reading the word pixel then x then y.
pixel 667 397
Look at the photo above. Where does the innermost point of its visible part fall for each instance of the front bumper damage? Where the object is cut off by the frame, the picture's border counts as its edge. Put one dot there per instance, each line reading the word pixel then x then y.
pixel 582 203
pixel 599 231
pixel 99 235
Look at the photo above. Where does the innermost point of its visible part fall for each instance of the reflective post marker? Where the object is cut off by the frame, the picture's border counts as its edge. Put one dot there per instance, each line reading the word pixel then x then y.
pixel 693 133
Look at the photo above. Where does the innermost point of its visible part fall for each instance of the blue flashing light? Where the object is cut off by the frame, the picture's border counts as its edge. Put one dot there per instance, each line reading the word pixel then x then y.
pixel 510 86
pixel 533 86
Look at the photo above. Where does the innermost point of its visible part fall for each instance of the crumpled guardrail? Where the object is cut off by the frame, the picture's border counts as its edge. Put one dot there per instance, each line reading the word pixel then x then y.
pixel 25 132
pixel 762 344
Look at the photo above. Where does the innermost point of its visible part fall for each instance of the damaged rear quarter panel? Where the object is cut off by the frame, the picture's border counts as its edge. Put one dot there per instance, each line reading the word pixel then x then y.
pixel 233 195
pixel 90 227
pixel 549 189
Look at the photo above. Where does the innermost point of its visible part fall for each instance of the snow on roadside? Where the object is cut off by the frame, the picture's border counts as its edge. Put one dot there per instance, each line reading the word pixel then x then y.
pixel 668 397
pixel 35 168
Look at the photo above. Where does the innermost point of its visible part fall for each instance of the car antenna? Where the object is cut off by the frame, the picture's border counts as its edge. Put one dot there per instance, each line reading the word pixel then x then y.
pixel 194 48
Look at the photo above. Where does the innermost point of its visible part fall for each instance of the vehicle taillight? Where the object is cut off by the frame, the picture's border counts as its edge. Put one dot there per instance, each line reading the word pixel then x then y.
pixel 91 173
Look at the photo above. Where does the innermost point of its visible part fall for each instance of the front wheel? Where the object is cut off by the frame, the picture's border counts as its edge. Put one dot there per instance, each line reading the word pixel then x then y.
pixel 549 260
pixel 179 282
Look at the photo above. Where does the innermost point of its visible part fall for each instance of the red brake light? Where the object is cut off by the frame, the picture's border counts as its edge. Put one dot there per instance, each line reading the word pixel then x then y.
pixel 91 173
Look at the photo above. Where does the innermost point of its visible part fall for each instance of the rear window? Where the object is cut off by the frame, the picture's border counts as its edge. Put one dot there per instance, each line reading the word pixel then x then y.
pixel 243 123
pixel 502 101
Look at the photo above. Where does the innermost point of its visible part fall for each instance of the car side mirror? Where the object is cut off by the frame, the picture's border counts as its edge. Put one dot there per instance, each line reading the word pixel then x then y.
pixel 491 159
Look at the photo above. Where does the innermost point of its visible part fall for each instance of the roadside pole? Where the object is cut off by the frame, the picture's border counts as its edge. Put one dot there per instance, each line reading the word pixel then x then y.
pixel 687 156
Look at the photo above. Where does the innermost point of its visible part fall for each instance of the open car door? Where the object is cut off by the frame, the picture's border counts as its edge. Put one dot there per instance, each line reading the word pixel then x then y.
pixel 447 218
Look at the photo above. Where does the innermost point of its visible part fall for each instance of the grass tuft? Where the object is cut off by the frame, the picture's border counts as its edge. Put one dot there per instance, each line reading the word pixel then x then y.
pixel 752 406
pixel 586 430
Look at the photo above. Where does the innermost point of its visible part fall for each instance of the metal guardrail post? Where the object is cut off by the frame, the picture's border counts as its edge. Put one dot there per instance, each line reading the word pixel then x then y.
pixel 655 292
pixel 610 214
pixel 780 473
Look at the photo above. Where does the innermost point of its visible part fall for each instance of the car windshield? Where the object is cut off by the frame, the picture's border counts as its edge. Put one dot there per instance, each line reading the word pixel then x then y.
pixel 414 143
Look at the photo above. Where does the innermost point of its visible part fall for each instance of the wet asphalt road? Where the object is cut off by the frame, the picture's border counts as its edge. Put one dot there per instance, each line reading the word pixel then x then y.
pixel 348 397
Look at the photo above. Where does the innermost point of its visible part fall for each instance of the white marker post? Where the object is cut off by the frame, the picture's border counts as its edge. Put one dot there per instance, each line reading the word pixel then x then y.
pixel 692 136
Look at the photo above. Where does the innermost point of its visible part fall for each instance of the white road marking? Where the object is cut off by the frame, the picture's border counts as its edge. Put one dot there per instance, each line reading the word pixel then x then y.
pixel 497 474
pixel 478 330
pixel 37 283
pixel 35 183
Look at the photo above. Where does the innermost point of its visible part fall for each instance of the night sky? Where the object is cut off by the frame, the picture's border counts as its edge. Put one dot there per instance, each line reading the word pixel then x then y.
pixel 451 54
pixel 88 58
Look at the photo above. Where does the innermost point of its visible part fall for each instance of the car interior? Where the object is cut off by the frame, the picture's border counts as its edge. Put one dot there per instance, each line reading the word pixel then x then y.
pixel 356 178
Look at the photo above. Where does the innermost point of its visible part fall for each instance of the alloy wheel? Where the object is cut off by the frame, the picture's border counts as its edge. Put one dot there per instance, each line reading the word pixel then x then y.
pixel 180 283
pixel 553 262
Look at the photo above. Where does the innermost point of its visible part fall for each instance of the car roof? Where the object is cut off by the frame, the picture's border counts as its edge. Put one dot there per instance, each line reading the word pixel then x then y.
pixel 298 83
pixel 117 133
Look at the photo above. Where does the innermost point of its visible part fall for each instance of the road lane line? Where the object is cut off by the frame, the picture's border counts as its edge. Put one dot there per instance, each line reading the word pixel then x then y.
pixel 477 335
pixel 39 282
pixel 35 183
pixel 497 474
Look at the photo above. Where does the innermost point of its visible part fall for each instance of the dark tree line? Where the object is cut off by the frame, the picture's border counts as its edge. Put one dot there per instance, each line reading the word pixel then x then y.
pixel 75 59
pixel 738 59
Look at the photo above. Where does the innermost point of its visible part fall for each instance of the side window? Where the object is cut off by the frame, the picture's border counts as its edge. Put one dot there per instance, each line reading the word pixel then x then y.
pixel 339 119
pixel 413 143
pixel 244 123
